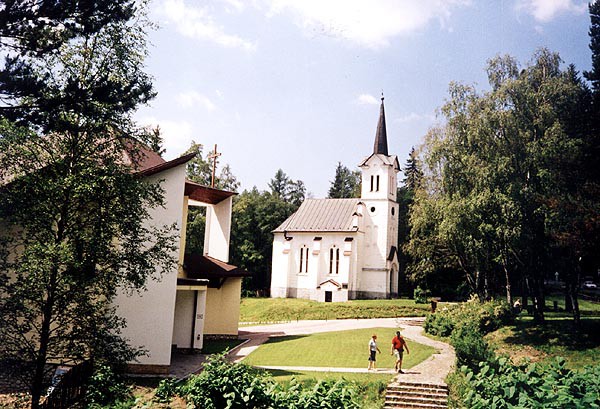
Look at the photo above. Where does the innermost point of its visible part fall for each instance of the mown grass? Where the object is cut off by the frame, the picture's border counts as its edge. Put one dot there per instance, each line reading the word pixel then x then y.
pixel 343 349
pixel 290 309
pixel 556 337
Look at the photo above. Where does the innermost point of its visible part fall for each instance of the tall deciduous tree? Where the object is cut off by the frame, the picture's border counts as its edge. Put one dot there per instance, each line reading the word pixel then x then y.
pixel 345 184
pixel 72 211
pixel 499 173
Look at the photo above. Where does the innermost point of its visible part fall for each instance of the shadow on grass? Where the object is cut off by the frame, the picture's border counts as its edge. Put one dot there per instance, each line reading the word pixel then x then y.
pixel 556 332
pixel 274 340
pixel 218 346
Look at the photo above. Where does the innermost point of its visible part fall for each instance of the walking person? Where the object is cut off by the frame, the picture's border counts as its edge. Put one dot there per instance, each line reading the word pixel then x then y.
pixel 373 350
pixel 398 347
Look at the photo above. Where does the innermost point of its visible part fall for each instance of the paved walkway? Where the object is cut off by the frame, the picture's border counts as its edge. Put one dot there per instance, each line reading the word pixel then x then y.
pixel 432 370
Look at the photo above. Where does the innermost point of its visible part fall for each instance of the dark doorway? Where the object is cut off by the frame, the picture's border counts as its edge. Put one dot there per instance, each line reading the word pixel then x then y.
pixel 328 296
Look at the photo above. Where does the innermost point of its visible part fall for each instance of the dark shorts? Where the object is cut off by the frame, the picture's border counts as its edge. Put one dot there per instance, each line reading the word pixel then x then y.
pixel 372 356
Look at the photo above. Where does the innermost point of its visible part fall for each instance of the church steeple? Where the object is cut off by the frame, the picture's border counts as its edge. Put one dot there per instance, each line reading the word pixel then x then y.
pixel 381 145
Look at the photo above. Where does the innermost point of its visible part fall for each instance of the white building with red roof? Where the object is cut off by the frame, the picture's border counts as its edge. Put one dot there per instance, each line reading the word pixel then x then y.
pixel 341 249
pixel 201 295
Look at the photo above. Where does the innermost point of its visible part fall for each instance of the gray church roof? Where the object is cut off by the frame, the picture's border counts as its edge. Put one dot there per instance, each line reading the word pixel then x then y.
pixel 321 215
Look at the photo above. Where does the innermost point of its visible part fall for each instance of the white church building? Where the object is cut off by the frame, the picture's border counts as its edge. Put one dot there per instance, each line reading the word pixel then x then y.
pixel 339 249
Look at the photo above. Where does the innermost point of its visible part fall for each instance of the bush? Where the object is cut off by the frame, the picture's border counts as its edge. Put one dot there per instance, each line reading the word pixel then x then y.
pixel 470 347
pixel 488 317
pixel 105 387
pixel 500 384
pixel 225 385
pixel 420 296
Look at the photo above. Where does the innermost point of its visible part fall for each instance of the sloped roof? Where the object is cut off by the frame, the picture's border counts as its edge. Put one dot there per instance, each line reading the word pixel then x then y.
pixel 205 194
pixel 390 160
pixel 321 215
pixel 380 146
pixel 197 266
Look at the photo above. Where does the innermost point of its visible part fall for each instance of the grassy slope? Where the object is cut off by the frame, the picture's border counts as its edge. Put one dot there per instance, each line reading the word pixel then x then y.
pixel 335 349
pixel 554 338
pixel 289 309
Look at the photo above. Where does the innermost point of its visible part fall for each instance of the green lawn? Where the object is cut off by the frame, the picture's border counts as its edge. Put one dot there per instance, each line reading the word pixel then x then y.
pixel 335 349
pixel 291 309
pixel 554 338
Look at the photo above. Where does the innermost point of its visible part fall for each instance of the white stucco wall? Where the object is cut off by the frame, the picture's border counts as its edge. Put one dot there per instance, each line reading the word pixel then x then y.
pixel 149 315
pixel 286 278
pixel 218 229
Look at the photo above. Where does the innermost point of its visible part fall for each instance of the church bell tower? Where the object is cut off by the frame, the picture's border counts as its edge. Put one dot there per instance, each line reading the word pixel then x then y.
pixel 378 194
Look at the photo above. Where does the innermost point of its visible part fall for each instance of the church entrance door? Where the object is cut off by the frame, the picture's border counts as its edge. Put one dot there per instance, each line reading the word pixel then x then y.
pixel 328 296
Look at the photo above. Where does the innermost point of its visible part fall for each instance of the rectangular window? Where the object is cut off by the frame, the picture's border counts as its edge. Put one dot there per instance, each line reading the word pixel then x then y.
pixel 371 183
pixel 301 258
pixel 378 183
pixel 330 261
pixel 306 261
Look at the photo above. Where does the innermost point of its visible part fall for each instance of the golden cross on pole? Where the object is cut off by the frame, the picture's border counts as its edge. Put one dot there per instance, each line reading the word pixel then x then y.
pixel 214 155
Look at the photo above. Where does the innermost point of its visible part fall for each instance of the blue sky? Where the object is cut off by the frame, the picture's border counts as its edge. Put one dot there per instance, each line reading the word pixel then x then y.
pixel 295 84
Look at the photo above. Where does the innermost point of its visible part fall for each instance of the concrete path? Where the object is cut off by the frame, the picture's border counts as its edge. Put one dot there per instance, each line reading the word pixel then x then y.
pixel 432 370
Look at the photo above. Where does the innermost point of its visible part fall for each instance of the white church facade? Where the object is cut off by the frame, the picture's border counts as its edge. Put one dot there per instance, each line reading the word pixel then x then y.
pixel 339 249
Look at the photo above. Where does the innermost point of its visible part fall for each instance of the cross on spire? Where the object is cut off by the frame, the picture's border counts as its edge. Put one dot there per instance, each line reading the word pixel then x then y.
pixel 214 155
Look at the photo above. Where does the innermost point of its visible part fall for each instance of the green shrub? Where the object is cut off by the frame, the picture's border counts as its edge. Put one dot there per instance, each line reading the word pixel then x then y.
pixel 105 387
pixel 420 295
pixel 488 317
pixel 166 390
pixel 501 384
pixel 225 385
pixel 469 345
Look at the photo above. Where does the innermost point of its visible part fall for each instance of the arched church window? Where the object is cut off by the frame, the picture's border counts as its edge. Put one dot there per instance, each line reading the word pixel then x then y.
pixel 377 183
pixel 372 182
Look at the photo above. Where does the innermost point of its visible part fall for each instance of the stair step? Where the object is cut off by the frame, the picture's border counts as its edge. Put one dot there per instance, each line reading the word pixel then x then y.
pixel 404 399
pixel 414 395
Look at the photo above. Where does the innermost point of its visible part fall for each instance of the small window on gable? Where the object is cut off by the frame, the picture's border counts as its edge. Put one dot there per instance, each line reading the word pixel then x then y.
pixel 372 182
pixel 377 183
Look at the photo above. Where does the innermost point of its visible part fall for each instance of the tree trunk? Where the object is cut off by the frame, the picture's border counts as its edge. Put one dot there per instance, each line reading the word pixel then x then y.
pixel 508 292
pixel 40 362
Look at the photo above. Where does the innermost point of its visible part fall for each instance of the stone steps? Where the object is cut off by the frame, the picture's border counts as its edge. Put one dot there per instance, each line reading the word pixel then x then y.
pixel 404 395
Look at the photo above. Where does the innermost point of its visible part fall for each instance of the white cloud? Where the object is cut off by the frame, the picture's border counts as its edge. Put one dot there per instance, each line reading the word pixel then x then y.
pixel 371 24
pixel 191 99
pixel 546 10
pixel 177 135
pixel 414 117
pixel 367 99
pixel 198 23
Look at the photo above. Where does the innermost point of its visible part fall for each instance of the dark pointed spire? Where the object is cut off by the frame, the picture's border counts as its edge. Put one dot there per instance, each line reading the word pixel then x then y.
pixel 381 145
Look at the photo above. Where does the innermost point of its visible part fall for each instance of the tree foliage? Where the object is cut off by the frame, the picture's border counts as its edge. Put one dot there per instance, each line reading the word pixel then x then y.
pixel 255 215
pixel 500 176
pixel 72 210
pixel 345 184
pixel 288 190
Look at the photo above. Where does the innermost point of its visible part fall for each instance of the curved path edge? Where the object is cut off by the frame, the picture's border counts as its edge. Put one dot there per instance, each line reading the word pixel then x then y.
pixel 433 370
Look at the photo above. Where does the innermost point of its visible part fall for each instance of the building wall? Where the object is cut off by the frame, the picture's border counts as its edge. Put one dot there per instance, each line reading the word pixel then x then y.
pixel 223 308
pixel 218 230
pixel 286 278
pixel 149 315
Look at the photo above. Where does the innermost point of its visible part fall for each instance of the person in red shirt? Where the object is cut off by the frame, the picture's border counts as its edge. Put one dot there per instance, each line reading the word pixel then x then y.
pixel 398 347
